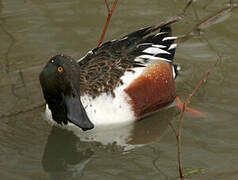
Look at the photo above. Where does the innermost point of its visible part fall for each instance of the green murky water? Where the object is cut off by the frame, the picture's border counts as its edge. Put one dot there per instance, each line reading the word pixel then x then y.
pixel 33 30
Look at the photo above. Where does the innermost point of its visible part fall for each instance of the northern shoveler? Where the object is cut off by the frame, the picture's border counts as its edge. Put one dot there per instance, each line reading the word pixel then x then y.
pixel 121 81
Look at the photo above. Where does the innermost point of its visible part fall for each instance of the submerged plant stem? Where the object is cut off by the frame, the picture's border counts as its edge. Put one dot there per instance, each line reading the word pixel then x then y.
pixel 185 105
pixel 179 142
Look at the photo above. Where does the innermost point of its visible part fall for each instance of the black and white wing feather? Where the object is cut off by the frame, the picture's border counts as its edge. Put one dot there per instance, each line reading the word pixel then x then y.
pixel 102 67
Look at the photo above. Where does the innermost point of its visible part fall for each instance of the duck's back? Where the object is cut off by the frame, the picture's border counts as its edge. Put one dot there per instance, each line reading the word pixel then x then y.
pixel 126 79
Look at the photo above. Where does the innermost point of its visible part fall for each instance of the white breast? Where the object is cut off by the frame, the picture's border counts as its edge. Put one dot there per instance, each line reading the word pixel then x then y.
pixel 105 109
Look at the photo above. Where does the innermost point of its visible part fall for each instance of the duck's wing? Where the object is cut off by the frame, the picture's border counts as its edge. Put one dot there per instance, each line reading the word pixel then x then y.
pixel 103 67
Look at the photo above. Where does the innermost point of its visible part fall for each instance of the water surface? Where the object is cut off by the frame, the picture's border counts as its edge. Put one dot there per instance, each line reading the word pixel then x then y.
pixel 30 148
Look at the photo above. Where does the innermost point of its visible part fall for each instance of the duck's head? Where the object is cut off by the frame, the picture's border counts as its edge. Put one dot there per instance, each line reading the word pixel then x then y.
pixel 60 82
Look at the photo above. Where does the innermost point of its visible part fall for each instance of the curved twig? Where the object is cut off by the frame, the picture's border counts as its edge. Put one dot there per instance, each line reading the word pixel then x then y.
pixel 110 12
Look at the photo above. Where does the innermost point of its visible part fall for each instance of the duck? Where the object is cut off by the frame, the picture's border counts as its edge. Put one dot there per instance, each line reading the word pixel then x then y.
pixel 121 81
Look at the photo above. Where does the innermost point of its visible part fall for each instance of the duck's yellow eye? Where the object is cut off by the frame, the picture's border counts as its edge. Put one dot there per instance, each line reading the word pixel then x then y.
pixel 60 69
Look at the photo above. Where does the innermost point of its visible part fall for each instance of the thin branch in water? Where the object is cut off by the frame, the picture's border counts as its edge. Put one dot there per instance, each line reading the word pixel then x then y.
pixel 107 5
pixel 110 12
pixel 204 78
pixel 179 142
pixel 173 129
pixel 185 105
pixel 167 22
pixel 186 7
pixel 196 30
pixel 205 24
pixel 13 40
pixel 212 20
pixel 26 109
pixel 175 18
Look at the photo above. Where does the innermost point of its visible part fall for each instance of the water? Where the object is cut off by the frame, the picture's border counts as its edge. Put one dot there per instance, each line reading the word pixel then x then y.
pixel 30 148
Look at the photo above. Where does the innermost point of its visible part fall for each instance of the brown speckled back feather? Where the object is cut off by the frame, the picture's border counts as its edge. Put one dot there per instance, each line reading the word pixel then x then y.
pixel 102 68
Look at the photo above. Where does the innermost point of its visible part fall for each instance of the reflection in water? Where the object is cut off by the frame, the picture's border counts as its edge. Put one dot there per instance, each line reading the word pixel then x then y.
pixel 66 155
pixel 142 132
pixel 61 157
